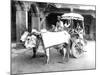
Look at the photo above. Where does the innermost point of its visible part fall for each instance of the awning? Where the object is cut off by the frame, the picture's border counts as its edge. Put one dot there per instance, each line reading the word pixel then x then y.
pixel 72 16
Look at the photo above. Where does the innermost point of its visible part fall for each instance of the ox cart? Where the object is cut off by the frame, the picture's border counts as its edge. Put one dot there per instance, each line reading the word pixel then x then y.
pixel 68 41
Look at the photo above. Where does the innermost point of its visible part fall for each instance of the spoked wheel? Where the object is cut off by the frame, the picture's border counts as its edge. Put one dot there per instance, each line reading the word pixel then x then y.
pixel 77 49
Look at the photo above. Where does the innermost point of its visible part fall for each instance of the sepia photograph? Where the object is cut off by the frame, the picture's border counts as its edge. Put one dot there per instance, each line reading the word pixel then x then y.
pixel 52 37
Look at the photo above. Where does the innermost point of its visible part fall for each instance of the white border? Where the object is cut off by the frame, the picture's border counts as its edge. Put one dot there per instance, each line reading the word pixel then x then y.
pixel 5 37
pixel 86 2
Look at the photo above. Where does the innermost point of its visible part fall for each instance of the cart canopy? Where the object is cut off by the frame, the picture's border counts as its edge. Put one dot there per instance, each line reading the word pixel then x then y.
pixel 75 16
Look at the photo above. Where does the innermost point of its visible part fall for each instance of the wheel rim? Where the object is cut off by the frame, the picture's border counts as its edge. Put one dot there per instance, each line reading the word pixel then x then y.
pixel 77 49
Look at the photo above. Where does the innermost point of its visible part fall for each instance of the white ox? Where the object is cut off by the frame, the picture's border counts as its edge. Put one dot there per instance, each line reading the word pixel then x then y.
pixel 51 39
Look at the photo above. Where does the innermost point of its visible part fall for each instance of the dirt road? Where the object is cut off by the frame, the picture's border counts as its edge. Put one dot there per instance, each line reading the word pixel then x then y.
pixel 23 63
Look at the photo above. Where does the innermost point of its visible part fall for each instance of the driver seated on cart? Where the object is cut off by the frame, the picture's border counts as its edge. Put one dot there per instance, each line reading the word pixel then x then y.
pixel 59 25
pixel 62 25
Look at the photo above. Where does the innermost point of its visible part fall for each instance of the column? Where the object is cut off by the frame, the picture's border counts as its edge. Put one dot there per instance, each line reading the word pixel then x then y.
pixel 35 17
pixel 26 6
pixel 18 22
pixel 35 22
pixel 38 16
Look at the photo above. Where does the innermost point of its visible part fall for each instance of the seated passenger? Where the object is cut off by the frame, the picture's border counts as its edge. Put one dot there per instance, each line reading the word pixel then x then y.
pixel 67 25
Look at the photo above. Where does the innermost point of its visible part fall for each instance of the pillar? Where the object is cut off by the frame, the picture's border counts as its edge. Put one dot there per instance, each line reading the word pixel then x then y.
pixel 35 21
pixel 35 17
pixel 18 22
pixel 26 6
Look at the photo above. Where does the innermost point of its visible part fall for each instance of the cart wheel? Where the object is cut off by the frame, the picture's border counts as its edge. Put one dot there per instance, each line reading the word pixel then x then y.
pixel 77 49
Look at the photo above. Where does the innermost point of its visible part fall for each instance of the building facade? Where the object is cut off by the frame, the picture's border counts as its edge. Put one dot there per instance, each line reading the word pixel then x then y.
pixel 27 15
